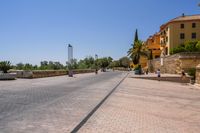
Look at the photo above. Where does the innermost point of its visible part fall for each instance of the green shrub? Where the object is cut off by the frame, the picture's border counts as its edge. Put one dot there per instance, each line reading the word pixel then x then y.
pixel 5 66
pixel 192 72
pixel 198 46
pixel 188 46
pixel 178 49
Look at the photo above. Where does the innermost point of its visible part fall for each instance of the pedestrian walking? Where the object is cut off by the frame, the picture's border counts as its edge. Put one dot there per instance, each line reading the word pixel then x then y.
pixel 147 71
pixel 183 76
pixel 96 71
pixel 158 74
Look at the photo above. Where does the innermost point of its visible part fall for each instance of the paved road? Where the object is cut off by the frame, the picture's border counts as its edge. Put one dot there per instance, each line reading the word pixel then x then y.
pixel 53 105
pixel 148 106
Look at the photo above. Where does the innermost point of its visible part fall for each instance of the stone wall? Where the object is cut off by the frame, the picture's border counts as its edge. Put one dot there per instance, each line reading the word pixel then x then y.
pixel 47 73
pixel 198 74
pixel 174 64
pixel 8 76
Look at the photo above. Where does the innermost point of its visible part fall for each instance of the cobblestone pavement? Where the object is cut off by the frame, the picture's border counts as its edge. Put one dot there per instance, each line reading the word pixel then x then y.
pixel 146 106
pixel 51 105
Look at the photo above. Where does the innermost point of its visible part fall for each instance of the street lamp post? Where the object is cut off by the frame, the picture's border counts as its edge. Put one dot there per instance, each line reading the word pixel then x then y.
pixel 70 60
pixel 96 66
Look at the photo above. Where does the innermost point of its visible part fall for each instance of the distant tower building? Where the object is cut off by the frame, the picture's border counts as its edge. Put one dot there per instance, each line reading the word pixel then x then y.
pixel 70 53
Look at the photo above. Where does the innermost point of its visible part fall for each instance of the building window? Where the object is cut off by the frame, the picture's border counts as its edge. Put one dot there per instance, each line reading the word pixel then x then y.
pixel 182 36
pixel 167 39
pixel 194 35
pixel 193 25
pixel 182 26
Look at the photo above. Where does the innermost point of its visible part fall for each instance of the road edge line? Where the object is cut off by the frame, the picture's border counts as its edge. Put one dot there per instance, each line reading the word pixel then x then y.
pixel 86 118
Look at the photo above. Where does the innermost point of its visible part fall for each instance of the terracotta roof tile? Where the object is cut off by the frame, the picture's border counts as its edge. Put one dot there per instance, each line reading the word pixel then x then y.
pixel 186 18
pixel 181 18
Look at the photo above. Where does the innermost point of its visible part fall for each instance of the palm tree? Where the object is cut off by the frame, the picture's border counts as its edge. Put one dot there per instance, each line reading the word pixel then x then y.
pixel 137 50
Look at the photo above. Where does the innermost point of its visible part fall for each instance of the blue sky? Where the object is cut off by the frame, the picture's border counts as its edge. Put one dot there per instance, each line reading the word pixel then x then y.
pixel 36 30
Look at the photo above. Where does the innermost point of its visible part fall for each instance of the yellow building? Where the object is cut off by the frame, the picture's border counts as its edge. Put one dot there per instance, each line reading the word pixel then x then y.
pixel 178 30
pixel 153 44
pixel 143 62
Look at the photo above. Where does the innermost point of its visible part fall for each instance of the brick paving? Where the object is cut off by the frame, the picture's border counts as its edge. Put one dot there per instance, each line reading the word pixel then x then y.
pixel 147 106
pixel 51 105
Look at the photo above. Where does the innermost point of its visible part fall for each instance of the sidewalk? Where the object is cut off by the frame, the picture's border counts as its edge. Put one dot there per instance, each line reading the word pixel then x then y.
pixel 164 77
pixel 147 106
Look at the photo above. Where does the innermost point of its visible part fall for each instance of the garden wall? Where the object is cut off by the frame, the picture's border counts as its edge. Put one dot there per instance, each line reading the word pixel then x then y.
pixel 174 64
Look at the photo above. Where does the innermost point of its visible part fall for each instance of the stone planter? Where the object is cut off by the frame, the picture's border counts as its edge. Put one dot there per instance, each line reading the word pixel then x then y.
pixel 8 76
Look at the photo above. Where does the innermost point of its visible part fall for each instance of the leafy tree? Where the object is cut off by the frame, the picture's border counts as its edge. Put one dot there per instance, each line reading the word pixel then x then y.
pixel 44 65
pixel 5 66
pixel 35 67
pixel 20 66
pixel 58 66
pixel 124 62
pixel 115 63
pixel 110 59
pixel 87 63
pixel 73 65
pixel 82 66
pixel 28 66
pixel 104 62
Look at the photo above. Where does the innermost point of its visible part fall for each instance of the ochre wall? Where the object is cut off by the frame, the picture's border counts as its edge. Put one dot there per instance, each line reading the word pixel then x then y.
pixel 153 43
pixel 174 30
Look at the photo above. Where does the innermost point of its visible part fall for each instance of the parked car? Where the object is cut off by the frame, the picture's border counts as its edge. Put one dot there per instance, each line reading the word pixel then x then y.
pixel 138 71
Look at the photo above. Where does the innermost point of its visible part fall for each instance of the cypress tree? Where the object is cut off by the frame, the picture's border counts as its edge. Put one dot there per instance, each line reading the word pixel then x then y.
pixel 136 36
